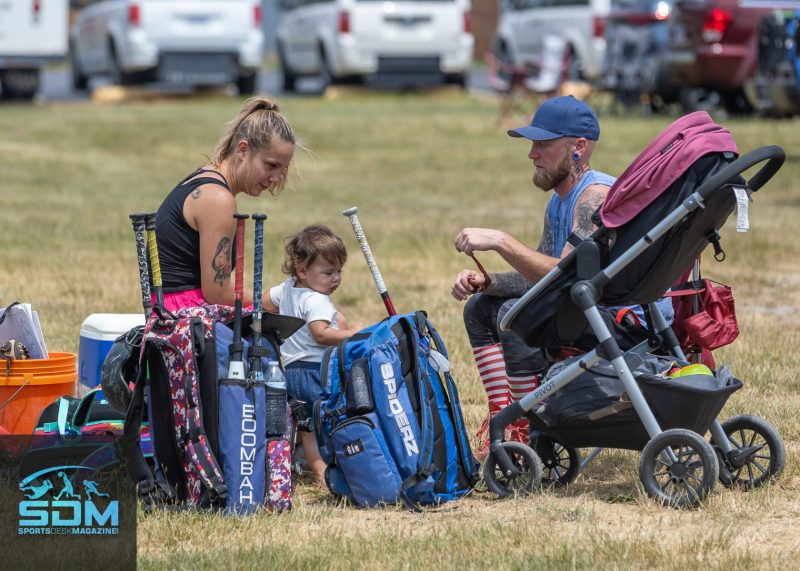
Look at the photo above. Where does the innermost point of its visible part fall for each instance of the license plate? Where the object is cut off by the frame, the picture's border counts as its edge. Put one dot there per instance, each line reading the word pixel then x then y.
pixel 407 22
pixel 197 19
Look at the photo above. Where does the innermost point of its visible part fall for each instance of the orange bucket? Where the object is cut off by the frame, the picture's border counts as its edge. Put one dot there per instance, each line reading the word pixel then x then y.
pixel 32 385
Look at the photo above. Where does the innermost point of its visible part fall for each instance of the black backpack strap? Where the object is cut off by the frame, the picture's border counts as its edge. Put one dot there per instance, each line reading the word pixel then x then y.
pixel 454 403
pixel 131 452
pixel 425 465
pixel 409 483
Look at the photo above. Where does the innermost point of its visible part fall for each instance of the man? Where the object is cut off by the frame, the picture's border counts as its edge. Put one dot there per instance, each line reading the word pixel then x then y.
pixel 563 135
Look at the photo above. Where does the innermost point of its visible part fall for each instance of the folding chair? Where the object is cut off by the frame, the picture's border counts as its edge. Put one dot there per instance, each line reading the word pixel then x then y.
pixel 523 87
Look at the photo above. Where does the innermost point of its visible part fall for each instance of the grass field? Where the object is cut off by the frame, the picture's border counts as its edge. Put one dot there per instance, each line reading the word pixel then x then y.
pixel 419 169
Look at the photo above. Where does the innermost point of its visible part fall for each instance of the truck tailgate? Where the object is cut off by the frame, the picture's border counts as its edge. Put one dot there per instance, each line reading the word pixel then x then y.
pixel 33 28
pixel 408 27
pixel 214 24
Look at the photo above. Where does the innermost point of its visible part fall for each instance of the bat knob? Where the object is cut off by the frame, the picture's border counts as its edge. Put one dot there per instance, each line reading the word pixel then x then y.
pixel 241 216
pixel 259 216
pixel 350 211
pixel 150 221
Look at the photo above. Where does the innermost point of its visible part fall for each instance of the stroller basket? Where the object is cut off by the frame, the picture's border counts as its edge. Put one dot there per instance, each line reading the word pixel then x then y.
pixel 594 410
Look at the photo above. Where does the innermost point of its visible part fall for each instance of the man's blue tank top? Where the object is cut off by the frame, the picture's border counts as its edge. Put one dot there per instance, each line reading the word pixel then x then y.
pixel 560 211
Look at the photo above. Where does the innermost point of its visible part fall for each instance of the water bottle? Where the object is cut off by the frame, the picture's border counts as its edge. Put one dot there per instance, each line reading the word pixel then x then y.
pixel 359 395
pixel 276 400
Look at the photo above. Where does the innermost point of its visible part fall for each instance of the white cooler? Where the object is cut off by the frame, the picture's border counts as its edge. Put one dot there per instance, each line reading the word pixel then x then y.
pixel 98 333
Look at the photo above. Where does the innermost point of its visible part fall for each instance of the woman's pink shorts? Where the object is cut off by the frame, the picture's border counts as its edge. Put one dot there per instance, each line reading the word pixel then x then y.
pixel 180 299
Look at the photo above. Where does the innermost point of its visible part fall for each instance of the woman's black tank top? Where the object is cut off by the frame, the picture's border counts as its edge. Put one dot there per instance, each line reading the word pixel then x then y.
pixel 178 243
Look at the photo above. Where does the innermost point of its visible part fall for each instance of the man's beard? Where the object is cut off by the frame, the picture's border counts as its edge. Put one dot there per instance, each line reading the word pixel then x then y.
pixel 548 180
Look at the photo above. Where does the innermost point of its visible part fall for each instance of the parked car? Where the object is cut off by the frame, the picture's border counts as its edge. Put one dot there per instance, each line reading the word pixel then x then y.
pixel 32 35
pixel 713 51
pixel 188 42
pixel 637 35
pixel 523 24
pixel 353 40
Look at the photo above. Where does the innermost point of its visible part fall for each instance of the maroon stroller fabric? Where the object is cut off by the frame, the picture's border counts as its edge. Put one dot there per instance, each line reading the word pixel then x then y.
pixel 662 163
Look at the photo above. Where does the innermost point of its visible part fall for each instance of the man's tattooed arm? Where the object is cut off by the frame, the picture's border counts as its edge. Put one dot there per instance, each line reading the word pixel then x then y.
pixel 514 284
pixel 507 284
pixel 546 243
pixel 221 262
pixel 590 201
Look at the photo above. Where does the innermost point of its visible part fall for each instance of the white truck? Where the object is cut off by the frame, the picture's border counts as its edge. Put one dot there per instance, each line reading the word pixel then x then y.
pixel 33 33
pixel 185 42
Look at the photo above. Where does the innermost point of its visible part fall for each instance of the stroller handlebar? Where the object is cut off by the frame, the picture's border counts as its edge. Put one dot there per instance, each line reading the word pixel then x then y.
pixel 773 154
pixel 776 156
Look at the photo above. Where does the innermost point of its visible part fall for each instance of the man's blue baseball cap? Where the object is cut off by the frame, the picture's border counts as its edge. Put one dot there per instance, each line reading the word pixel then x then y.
pixel 562 116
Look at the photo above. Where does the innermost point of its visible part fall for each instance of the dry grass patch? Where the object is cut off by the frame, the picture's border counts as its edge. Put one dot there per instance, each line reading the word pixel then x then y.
pixel 419 169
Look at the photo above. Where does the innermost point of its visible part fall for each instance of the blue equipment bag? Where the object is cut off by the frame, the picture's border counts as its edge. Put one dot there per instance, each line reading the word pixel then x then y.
pixel 208 432
pixel 392 428
pixel 242 426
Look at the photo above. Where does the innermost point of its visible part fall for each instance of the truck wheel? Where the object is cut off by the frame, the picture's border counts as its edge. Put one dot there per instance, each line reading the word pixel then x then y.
pixel 289 81
pixel 574 66
pixel 288 76
pixel 247 84
pixel 118 76
pixel 325 74
pixel 79 81
pixel 459 79
pixel 20 84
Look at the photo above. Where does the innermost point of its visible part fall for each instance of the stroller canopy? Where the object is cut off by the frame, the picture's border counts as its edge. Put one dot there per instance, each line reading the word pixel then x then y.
pixel 662 163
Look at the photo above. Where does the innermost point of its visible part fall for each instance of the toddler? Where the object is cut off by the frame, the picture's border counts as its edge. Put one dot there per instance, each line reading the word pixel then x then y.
pixel 314 260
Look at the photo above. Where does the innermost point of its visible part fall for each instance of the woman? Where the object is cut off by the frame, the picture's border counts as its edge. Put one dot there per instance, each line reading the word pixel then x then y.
pixel 195 226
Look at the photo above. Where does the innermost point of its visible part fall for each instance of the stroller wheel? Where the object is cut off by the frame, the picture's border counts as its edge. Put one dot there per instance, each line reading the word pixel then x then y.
pixel 758 453
pixel 685 481
pixel 522 477
pixel 560 464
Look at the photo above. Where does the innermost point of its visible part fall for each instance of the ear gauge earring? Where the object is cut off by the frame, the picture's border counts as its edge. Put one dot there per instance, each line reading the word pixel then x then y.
pixel 575 156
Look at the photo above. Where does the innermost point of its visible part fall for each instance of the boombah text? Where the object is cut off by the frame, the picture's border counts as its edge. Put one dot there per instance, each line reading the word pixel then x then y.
pixel 400 416
pixel 247 452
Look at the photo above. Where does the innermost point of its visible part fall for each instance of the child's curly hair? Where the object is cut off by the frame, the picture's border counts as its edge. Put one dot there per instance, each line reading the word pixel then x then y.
pixel 312 241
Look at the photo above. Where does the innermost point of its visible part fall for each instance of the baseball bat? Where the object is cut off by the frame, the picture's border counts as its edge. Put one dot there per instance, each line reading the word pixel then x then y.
pixel 155 265
pixel 256 373
pixel 141 257
pixel 279 454
pixel 351 213
pixel 236 366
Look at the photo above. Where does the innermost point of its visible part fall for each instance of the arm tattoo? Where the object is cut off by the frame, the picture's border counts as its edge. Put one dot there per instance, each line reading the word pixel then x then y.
pixel 507 284
pixel 591 201
pixel 546 243
pixel 221 263
pixel 196 193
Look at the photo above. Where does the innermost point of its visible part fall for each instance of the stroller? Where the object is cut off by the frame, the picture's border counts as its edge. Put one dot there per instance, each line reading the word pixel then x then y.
pixel 656 220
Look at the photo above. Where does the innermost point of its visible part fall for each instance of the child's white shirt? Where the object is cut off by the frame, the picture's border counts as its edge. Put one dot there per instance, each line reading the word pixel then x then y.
pixel 308 305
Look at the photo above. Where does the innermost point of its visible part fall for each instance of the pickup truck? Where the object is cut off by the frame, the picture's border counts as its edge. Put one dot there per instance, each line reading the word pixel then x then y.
pixel 195 43
pixel 33 33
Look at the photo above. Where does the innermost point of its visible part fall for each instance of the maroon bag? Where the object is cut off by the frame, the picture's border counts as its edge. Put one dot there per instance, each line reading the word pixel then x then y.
pixel 714 324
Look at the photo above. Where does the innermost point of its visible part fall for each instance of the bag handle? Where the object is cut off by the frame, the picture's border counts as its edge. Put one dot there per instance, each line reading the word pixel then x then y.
pixel 81 414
